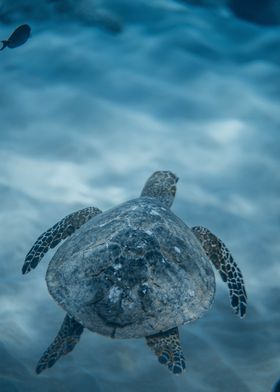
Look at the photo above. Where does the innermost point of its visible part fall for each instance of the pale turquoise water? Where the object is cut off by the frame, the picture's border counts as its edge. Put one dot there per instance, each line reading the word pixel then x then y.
pixel 86 116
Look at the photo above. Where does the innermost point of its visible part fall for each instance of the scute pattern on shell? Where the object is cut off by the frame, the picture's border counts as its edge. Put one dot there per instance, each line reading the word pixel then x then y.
pixel 121 274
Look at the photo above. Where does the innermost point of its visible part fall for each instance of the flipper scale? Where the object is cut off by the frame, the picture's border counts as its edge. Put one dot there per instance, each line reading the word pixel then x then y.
pixel 52 237
pixel 65 341
pixel 223 261
pixel 167 347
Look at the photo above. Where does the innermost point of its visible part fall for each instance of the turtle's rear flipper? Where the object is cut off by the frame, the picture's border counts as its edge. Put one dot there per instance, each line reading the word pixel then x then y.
pixel 55 234
pixel 66 339
pixel 220 256
pixel 166 345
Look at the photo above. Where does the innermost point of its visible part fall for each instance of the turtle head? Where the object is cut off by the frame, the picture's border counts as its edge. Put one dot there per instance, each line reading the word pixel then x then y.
pixel 162 186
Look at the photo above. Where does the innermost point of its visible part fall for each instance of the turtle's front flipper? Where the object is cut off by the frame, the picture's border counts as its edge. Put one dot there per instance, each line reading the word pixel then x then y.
pixel 228 269
pixel 66 339
pixel 166 345
pixel 55 234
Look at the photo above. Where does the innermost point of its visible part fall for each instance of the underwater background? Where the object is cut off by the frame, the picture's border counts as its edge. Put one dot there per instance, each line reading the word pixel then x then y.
pixel 103 94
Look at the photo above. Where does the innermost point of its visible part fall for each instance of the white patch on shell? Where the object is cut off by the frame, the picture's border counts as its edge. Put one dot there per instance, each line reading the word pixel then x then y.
pixel 153 212
pixel 114 294
pixel 117 267
pixel 177 249
pixel 191 293
pixel 163 260
pixel 149 232
pixel 129 224
pixel 145 288
pixel 134 208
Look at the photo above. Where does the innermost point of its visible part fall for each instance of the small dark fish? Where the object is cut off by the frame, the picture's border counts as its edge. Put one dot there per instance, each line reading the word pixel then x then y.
pixel 18 37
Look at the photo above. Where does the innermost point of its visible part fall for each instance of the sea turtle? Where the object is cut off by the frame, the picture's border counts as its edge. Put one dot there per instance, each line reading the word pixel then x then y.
pixel 136 270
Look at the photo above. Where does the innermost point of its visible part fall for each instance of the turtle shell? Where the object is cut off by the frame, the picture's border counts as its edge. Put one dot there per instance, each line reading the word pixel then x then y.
pixel 132 271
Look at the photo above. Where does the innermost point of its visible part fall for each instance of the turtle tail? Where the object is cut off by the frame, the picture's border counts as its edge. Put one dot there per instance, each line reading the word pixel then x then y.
pixel 5 43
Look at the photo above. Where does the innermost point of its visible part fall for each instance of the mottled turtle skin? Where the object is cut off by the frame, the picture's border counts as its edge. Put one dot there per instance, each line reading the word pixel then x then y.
pixel 132 271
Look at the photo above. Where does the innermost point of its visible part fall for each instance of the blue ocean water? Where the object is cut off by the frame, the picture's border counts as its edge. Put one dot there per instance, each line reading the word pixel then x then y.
pixel 103 94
